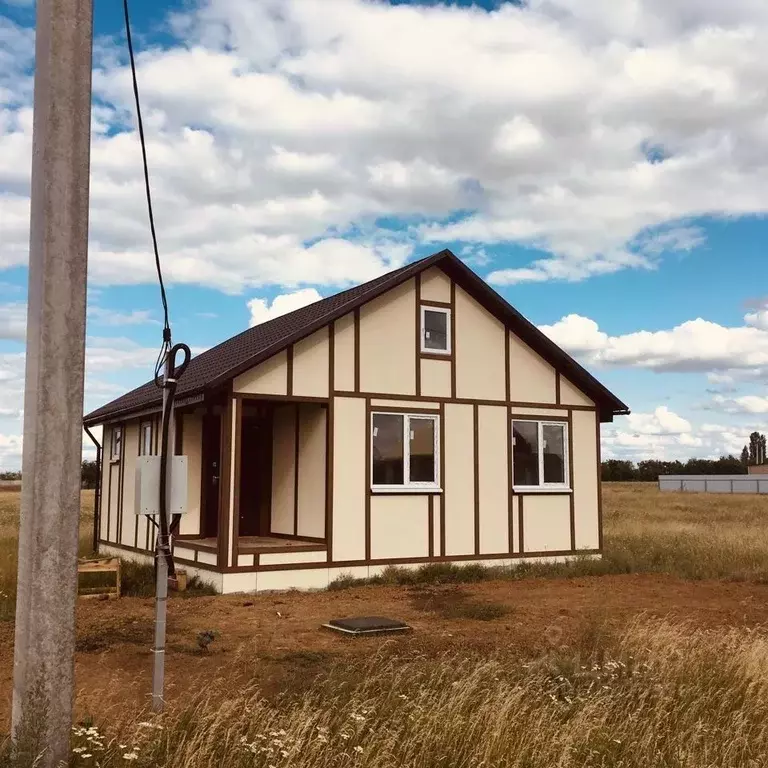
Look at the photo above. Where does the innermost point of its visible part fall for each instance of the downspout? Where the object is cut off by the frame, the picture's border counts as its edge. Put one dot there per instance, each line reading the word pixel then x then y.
pixel 97 494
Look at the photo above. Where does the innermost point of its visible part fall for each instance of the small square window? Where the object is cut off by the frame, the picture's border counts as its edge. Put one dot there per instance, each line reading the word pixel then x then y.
pixel 435 330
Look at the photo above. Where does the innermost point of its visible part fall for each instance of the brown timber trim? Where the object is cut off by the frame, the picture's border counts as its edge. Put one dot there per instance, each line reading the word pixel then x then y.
pixel 507 373
pixel 247 549
pixel 121 483
pixel 557 387
pixel 297 420
pixel 291 537
pixel 540 417
pixel 329 417
pixel 441 427
pixel 453 338
pixel 196 544
pixel 178 434
pixel 418 333
pixel 520 525
pixel 331 358
pixel 225 480
pixel 409 492
pixel 510 484
pixel 476 466
pixel 403 409
pixel 289 371
pixel 431 525
pixel 418 560
pixel 572 503
pixel 108 466
pixel 280 398
pixel 439 399
pixel 436 356
pixel 599 486
pixel 356 316
pixel 368 478
pixel 136 522
pixel 431 302
pixel 238 405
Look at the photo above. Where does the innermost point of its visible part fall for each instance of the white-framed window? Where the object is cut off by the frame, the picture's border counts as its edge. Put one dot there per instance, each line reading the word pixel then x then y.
pixel 117 442
pixel 435 330
pixel 540 454
pixel 405 453
pixel 145 439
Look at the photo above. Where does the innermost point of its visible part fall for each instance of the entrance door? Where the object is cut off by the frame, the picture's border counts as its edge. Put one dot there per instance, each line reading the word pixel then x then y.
pixel 255 469
pixel 211 474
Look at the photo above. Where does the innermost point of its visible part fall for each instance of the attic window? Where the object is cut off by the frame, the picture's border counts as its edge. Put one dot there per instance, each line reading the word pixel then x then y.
pixel 435 330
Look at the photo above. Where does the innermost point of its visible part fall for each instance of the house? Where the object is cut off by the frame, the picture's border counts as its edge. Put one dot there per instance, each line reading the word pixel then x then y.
pixel 415 418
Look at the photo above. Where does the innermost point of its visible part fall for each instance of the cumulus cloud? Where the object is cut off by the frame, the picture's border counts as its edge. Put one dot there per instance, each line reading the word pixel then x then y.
pixel 261 309
pixel 741 404
pixel 696 345
pixel 13 321
pixel 663 434
pixel 281 129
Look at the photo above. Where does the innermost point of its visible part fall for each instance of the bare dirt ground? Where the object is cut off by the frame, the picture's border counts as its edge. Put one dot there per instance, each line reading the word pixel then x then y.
pixel 277 639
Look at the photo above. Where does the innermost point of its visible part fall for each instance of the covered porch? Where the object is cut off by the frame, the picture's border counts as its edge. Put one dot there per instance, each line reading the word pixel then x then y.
pixel 263 479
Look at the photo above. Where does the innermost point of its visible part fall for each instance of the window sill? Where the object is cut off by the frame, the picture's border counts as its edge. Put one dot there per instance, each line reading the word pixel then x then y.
pixel 539 489
pixel 425 490
pixel 114 461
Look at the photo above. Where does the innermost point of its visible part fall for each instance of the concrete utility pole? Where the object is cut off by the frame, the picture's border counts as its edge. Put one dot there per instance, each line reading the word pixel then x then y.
pixel 43 668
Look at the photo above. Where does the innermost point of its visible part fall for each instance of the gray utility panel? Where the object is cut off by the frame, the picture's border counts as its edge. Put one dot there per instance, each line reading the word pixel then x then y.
pixel 714 483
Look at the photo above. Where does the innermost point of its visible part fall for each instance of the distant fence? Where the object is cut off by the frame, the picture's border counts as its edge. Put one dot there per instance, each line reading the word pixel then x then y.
pixel 10 485
pixel 714 483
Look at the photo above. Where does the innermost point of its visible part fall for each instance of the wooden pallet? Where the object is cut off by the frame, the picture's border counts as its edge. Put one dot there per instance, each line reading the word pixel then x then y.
pixel 100 565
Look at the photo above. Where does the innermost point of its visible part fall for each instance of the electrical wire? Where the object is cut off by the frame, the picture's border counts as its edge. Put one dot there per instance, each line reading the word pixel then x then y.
pixel 166 345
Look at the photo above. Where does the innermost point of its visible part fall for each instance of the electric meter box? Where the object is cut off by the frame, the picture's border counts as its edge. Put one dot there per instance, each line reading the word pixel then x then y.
pixel 148 485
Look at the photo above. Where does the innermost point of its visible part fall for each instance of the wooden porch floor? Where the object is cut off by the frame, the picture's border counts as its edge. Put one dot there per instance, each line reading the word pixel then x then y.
pixel 255 544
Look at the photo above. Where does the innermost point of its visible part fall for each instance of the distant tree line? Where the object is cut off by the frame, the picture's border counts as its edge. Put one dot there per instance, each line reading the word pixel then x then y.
pixel 754 453
pixel 648 471
pixel 88 474
pixel 617 470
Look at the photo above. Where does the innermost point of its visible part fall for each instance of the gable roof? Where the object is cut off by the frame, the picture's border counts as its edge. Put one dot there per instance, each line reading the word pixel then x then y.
pixel 218 365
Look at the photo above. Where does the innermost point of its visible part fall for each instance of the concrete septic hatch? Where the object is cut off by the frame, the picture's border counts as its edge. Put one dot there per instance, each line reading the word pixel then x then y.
pixel 366 625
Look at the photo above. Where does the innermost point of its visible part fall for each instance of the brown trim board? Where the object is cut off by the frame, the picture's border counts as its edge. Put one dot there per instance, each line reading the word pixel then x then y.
pixel 238 406
pixel 572 501
pixel 296 446
pixel 557 387
pixel 356 316
pixel 433 302
pixel 510 484
pixel 289 371
pixel 431 525
pixel 222 534
pixel 418 331
pixel 476 468
pixel 368 478
pixel 453 338
pixel 443 483
pixel 520 524
pixel 599 486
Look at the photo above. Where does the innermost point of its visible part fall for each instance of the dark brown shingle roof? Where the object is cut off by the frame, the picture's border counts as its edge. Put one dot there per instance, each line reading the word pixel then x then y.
pixel 223 362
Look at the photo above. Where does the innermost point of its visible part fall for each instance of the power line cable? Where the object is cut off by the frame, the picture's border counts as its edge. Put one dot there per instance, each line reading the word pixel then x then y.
pixel 164 349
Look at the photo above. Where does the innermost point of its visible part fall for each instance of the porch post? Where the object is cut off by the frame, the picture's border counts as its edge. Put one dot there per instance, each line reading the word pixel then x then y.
pixel 224 541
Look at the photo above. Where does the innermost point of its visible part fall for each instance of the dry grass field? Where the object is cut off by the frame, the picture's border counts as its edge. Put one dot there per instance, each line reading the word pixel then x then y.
pixel 655 656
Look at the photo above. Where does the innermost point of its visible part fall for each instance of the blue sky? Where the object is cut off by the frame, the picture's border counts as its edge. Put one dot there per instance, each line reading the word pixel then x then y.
pixel 605 169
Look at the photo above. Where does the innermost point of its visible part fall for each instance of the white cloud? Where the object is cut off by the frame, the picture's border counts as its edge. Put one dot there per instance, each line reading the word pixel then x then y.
pixel 13 321
pixel 696 345
pixel 278 129
pixel 104 316
pixel 741 404
pixel 662 434
pixel 262 310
